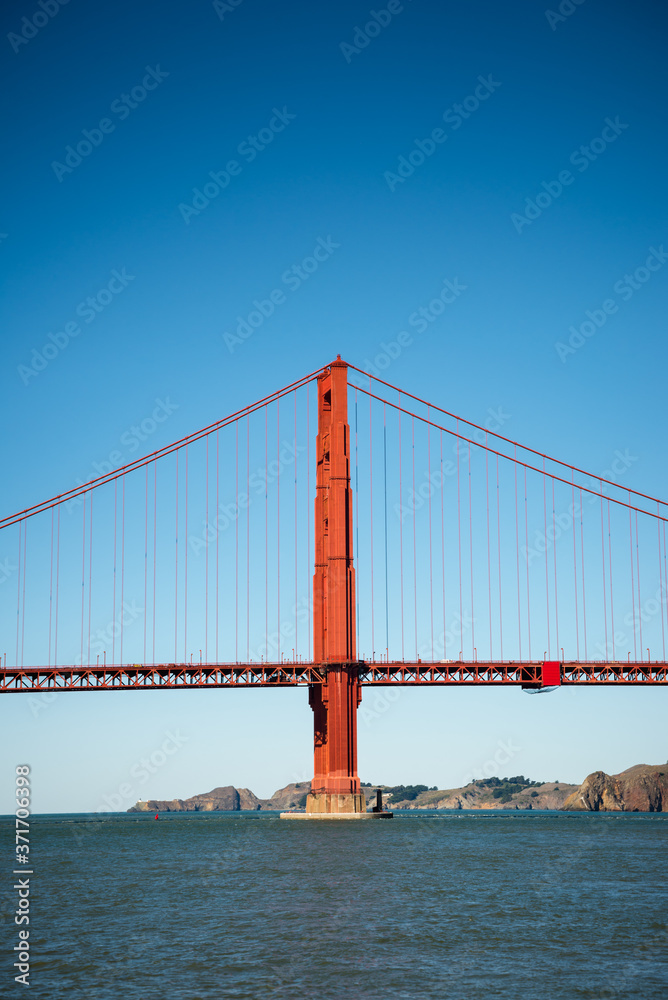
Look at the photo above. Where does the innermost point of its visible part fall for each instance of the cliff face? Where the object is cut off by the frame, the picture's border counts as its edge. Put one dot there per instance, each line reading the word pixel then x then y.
pixel 293 796
pixel 643 788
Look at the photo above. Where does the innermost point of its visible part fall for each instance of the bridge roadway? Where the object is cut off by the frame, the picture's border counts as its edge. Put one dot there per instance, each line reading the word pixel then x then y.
pixel 534 674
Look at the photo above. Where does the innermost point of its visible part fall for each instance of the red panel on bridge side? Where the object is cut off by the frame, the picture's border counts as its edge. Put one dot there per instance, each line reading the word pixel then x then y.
pixel 551 673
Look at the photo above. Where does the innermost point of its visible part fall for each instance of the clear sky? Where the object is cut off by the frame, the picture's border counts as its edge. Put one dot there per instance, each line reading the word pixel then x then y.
pixel 174 162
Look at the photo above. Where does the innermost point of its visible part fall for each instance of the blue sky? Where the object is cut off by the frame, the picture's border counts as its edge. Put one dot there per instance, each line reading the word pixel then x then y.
pixel 340 104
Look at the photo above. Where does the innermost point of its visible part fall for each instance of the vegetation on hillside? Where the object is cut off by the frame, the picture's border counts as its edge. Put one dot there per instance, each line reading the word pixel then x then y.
pixel 505 788
pixel 406 793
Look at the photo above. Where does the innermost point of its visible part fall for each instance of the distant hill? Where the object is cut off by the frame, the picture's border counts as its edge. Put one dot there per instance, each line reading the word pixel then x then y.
pixel 487 793
pixel 642 788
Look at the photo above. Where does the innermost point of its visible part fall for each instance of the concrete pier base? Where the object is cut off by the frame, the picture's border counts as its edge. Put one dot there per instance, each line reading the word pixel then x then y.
pixel 336 802
pixel 327 816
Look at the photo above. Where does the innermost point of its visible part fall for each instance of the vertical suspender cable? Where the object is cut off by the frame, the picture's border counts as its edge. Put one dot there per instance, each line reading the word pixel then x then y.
pixel 122 561
pixel 489 556
pixel 206 556
pixel 498 535
pixel 526 544
pixel 459 547
pixel 296 546
pixel 217 532
pixel 401 543
pixel 517 552
pixel 248 538
pixel 236 542
pixel 18 593
pixel 155 538
pixel 145 560
pixel 605 600
pixel 387 603
pixel 661 602
pixel 51 585
pixel 637 584
pixel 443 544
pixel 431 586
pixel 445 654
pixel 90 569
pixel 575 571
pixel 473 645
pixel 176 561
pixel 23 598
pixel 582 560
pixel 612 603
pixel 373 639
pixel 665 577
pixel 554 549
pixel 278 526
pixel 633 585
pixel 113 613
pixel 55 643
pixel 266 534
pixel 414 541
pixel 83 580
pixel 185 569
pixel 547 587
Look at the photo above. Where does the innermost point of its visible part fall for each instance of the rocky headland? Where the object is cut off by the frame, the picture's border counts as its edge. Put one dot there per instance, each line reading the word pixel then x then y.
pixel 227 798
pixel 643 788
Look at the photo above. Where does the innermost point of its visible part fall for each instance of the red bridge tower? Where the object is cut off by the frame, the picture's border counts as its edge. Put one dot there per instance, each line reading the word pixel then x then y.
pixel 335 787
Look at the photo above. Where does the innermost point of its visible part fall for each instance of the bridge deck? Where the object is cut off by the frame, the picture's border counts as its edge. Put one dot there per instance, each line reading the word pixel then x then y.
pixel 130 677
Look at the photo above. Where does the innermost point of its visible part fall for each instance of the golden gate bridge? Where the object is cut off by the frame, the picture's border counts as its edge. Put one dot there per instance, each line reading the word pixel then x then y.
pixel 417 549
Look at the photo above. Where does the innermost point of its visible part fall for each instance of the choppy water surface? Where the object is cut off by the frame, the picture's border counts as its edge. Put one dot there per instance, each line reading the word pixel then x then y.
pixel 461 905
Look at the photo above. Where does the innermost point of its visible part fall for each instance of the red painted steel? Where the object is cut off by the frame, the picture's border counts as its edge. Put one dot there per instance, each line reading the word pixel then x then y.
pixel 551 673
pixel 137 676
pixel 336 785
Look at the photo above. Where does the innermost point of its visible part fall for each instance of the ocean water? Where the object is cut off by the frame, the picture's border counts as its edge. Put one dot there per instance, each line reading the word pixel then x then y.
pixel 462 905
